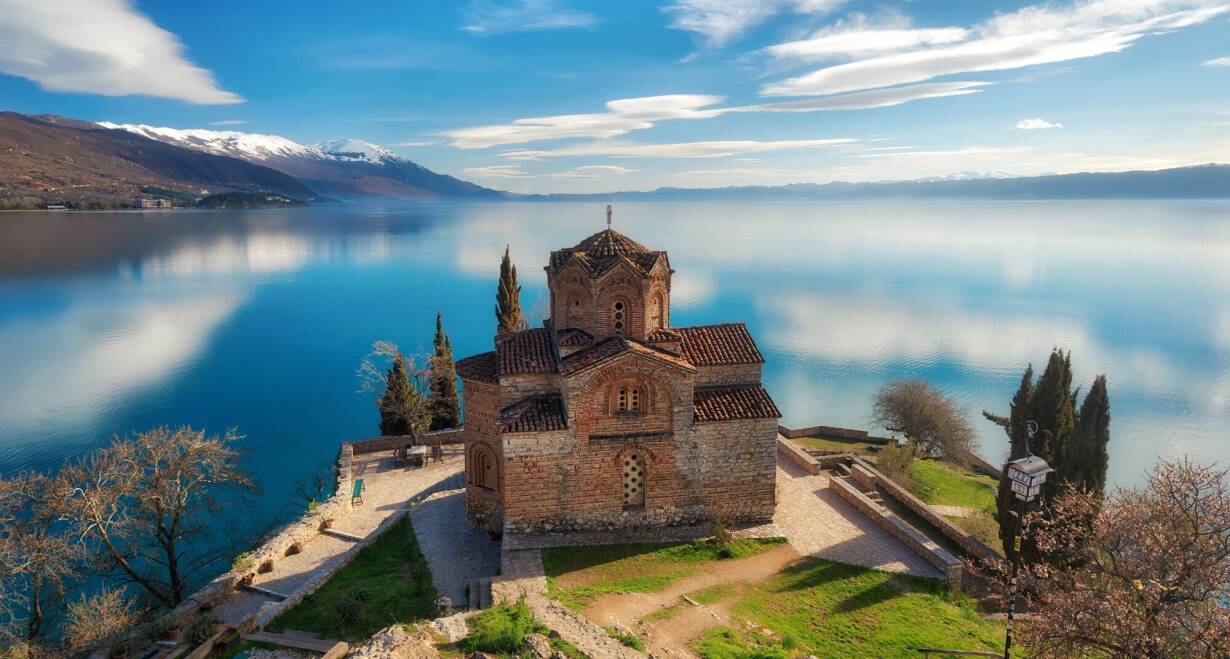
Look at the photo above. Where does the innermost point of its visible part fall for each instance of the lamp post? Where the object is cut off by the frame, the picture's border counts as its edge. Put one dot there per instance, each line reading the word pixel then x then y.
pixel 1026 476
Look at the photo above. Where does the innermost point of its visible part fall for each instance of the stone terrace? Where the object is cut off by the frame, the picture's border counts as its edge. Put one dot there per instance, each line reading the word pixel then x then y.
pixel 386 490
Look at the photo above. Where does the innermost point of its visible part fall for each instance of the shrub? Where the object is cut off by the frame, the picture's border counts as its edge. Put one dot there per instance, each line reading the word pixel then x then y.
pixel 202 628
pixel 501 629
pixel 444 606
pixel 349 607
pixel 893 461
pixel 93 620
pixel 241 561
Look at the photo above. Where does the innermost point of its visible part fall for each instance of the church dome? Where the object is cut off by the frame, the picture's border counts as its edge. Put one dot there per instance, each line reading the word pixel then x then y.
pixel 609 243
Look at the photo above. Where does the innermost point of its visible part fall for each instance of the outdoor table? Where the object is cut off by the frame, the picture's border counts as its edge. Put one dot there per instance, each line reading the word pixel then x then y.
pixel 418 456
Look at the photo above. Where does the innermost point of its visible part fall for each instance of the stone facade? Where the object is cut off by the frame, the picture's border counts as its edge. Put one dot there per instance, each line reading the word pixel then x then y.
pixel 608 417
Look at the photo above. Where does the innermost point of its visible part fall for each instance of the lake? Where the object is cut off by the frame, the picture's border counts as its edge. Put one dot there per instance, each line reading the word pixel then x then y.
pixel 116 322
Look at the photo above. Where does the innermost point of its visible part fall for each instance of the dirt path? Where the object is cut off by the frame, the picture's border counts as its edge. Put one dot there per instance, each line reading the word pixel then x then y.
pixel 670 637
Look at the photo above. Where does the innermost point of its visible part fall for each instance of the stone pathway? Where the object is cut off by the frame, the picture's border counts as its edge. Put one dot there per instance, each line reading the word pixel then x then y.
pixel 386 490
pixel 455 553
pixel 819 523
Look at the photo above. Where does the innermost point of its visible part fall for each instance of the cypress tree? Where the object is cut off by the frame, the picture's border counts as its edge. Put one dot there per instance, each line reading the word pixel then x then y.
pixel 399 401
pixel 445 409
pixel 1014 426
pixel 1090 455
pixel 508 299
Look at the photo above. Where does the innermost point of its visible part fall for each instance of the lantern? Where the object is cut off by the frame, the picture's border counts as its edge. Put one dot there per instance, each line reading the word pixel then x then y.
pixel 1026 477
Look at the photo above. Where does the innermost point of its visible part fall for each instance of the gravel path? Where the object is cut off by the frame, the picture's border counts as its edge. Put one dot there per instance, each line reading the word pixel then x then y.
pixel 819 523
pixel 455 553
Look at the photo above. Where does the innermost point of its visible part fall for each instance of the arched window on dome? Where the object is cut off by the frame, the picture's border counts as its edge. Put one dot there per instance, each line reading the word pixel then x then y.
pixel 619 317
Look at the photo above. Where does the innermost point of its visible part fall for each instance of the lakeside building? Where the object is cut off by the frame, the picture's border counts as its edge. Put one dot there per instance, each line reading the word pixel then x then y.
pixel 607 416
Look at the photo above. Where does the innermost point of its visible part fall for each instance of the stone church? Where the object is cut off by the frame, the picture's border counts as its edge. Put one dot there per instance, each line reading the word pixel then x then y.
pixel 608 416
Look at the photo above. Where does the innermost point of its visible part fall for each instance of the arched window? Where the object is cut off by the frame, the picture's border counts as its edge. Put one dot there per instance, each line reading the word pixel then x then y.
pixel 618 311
pixel 483 471
pixel 633 479
pixel 655 312
pixel 628 399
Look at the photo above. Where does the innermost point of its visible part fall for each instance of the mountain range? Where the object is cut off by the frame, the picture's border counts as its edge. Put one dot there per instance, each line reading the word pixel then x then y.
pixel 48 160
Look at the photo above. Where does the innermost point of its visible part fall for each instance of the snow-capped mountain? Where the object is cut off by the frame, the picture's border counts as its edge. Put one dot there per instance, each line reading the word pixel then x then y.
pixel 348 167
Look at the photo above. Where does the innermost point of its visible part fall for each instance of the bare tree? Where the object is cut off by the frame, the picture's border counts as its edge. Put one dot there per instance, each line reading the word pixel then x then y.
pixel 1144 574
pixel 39 561
pixel 144 505
pixel 930 421
pixel 96 619
pixel 411 400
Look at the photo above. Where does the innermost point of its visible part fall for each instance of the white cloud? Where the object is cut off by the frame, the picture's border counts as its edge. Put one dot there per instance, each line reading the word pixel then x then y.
pixel 102 47
pixel 416 143
pixel 711 149
pixel 1036 123
pixel 229 122
pixel 584 172
pixel 1220 61
pixel 622 116
pixel 859 35
pixel 1033 35
pixel 487 17
pixel 871 98
pixel 720 21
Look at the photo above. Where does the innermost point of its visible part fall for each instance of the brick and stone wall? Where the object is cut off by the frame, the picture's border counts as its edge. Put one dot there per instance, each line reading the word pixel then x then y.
pixel 514 388
pixel 709 376
pixel 482 409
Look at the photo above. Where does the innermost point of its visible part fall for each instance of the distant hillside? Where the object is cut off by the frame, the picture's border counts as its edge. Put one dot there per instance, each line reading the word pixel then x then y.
pixel 340 168
pixel 1199 182
pixel 51 160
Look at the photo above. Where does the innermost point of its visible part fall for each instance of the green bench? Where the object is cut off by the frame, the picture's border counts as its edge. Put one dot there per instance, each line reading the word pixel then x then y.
pixel 356 496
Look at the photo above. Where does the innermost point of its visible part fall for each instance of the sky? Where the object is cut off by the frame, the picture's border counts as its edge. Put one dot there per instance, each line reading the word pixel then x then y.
pixel 571 96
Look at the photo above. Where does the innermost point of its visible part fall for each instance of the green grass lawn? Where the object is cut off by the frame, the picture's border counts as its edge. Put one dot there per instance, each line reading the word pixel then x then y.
pixel 832 609
pixel 833 444
pixel 387 583
pixel 578 575
pixel 946 484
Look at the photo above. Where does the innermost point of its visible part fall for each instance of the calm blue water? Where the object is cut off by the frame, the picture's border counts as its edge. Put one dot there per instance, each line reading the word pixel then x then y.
pixel 114 322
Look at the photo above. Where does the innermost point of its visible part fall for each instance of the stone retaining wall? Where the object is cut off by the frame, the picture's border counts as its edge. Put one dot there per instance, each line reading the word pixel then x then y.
pixel 797 455
pixel 390 442
pixel 934 554
pixel 966 540
pixel 852 434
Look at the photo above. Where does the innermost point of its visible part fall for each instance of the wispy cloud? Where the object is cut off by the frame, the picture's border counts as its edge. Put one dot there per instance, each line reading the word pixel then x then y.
pixel 584 172
pixel 710 149
pixel 871 98
pixel 1220 61
pixel 1037 34
pixel 721 21
pixel 622 116
pixel 104 47
pixel 1036 123
pixel 229 122
pixel 860 35
pixel 490 17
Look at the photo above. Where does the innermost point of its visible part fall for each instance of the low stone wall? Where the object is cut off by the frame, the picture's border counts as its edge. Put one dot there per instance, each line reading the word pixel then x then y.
pixel 966 540
pixel 852 434
pixel 977 463
pixel 271 611
pixel 390 442
pixel 798 456
pixel 934 554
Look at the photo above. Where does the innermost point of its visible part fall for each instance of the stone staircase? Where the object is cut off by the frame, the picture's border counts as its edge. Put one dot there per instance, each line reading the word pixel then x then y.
pixel 480 594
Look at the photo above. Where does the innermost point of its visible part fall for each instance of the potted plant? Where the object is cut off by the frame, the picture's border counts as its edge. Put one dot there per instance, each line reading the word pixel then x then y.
pixel 170 627
pixel 326 523
pixel 248 579
pixel 203 627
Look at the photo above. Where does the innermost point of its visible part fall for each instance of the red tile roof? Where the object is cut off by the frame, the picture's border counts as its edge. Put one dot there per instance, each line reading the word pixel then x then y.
pixel 527 351
pixel 601 251
pixel 733 403
pixel 534 414
pixel 572 337
pixel 617 345
pixel 481 368
pixel 719 345
pixel 663 335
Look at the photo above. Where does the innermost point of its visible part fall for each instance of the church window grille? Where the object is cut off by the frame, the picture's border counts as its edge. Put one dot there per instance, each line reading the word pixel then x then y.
pixel 633 480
